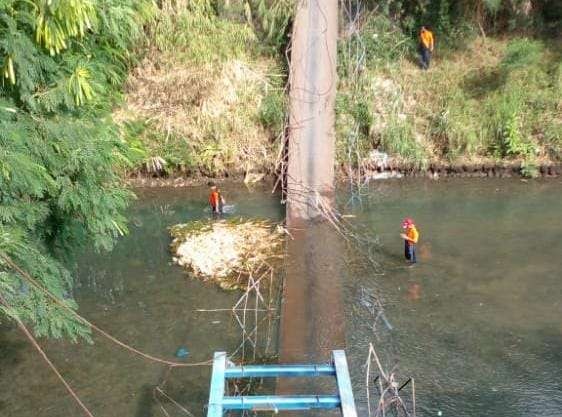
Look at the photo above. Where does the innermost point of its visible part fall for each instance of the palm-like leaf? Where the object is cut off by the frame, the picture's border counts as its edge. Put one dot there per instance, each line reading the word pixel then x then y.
pixel 59 20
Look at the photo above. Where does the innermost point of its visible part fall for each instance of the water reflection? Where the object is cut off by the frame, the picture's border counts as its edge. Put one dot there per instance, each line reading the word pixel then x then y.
pixel 312 323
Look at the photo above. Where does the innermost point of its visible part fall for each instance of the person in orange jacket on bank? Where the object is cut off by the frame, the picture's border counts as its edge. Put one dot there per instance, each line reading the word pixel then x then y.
pixel 426 46
pixel 411 237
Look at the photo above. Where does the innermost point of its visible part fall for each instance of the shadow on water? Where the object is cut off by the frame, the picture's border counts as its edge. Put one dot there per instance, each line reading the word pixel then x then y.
pixel 312 312
pixel 11 349
pixel 312 317
pixel 175 393
pixel 146 403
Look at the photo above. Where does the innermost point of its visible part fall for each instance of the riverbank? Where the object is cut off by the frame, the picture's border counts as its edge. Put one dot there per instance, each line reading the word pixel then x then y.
pixel 434 171
pixel 209 99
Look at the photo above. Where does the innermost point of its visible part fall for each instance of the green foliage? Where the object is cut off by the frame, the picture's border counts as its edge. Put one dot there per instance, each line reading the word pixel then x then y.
pixel 272 109
pixel 370 42
pixel 60 153
pixel 510 138
pixel 200 36
pixel 271 19
pixel 155 153
pixel 380 41
pixel 220 96
pixel 507 125
pixel 529 169
pixel 484 97
pixel 526 111
pixel 58 21
pixel 442 16
pixel 361 113
pixel 506 107
pixel 453 19
pixel 522 53
pixel 558 77
pixel 398 139
pixel 553 140
pixel 493 6
pixel 132 135
pixel 353 125
pixel 59 191
pixel 456 127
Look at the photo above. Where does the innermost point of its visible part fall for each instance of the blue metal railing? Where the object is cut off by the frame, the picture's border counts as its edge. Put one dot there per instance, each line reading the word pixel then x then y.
pixel 274 371
pixel 219 403
pixel 289 402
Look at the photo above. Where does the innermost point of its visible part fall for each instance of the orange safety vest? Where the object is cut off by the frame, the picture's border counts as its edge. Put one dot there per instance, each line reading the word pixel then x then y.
pixel 214 199
pixel 426 39
pixel 413 234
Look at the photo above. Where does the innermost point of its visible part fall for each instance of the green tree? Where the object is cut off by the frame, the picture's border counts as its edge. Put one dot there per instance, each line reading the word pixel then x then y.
pixel 63 62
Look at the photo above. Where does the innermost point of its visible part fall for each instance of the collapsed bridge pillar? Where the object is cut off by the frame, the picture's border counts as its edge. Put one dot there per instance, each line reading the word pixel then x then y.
pixel 312 79
pixel 312 314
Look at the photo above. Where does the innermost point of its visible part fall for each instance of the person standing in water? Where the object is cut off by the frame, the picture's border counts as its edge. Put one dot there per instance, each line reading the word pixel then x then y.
pixel 411 237
pixel 426 46
pixel 216 201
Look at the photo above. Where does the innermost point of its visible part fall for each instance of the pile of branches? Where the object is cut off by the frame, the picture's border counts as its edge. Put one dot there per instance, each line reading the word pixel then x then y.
pixel 228 252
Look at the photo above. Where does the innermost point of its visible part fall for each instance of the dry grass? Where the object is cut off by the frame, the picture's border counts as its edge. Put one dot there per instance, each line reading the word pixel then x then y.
pixel 211 109
pixel 199 92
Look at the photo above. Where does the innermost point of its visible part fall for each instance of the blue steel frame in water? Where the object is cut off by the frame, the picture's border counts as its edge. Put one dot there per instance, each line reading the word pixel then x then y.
pixel 219 403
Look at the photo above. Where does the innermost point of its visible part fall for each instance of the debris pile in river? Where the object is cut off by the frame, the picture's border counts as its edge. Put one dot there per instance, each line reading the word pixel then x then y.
pixel 227 252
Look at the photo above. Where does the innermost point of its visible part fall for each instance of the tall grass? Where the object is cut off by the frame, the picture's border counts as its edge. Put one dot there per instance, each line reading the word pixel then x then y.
pixel 398 138
pixel 211 97
pixel 201 37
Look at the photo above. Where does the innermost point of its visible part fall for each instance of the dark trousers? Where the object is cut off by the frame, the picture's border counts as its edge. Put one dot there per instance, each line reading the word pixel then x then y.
pixel 410 251
pixel 425 57
pixel 216 211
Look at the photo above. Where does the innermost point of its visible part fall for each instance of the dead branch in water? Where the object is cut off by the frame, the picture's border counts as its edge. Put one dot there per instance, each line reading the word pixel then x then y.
pixel 389 390
pixel 252 303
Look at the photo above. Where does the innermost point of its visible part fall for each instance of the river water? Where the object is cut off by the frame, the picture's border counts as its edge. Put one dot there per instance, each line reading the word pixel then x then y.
pixel 478 322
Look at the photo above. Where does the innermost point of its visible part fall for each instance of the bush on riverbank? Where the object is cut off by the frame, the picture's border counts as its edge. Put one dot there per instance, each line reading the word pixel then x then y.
pixel 208 99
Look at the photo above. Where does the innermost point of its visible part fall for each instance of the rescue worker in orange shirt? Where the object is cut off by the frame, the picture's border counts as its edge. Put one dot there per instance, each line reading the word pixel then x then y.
pixel 411 237
pixel 216 201
pixel 426 46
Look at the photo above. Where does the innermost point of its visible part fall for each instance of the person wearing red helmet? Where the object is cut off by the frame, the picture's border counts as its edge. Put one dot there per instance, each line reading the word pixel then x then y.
pixel 411 237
